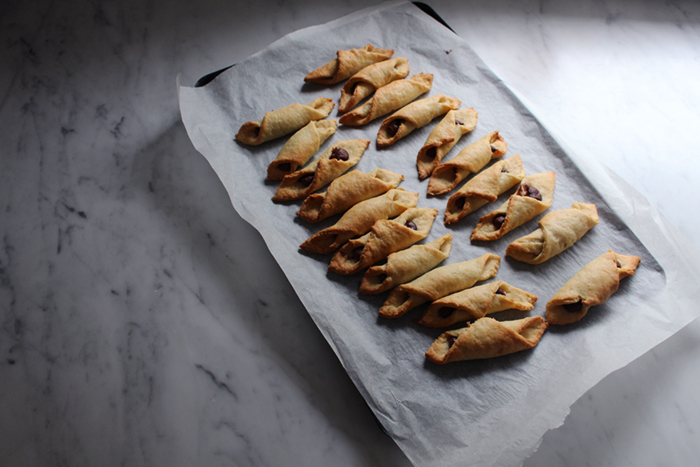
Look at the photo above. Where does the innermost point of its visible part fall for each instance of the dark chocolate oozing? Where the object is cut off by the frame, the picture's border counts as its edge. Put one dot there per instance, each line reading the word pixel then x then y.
pixel 459 123
pixel 340 154
pixel 411 225
pixel 500 291
pixel 431 152
pixel 451 340
pixel 531 191
pixel 493 148
pixel 356 253
pixel 459 203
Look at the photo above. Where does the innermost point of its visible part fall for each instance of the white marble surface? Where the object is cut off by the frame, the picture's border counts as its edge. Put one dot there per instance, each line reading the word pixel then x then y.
pixel 144 323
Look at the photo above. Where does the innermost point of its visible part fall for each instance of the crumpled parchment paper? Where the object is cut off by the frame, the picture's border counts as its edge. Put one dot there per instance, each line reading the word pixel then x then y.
pixel 478 413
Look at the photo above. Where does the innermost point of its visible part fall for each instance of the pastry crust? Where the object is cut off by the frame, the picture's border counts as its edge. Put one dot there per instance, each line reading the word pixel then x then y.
pixel 487 338
pixel 443 138
pixel 369 79
pixel 389 98
pixel 518 209
pixel 557 231
pixel 346 191
pixel 405 265
pixel 280 122
pixel 300 148
pixel 484 188
pixel 415 115
pixel 335 161
pixel 386 237
pixel 347 63
pixel 439 282
pixel 471 159
pixel 590 286
pixel 477 302
pixel 359 219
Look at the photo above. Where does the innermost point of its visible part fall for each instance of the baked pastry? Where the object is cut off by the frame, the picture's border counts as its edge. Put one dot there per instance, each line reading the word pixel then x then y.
pixel 389 98
pixel 385 237
pixel 439 282
pixel 335 161
pixel 280 122
pixel 471 159
pixel 415 115
pixel 369 79
pixel 300 148
pixel 405 265
pixel 534 196
pixel 476 302
pixel 487 338
pixel 484 188
pixel 443 138
pixel 347 64
pixel 557 231
pixel 359 219
pixel 590 286
pixel 346 191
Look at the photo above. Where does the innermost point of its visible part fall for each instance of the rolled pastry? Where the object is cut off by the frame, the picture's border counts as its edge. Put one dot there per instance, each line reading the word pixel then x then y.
pixel 405 265
pixel 476 302
pixel 389 98
pixel 386 237
pixel 346 191
pixel 347 64
pixel 557 231
pixel 280 122
pixel 534 196
pixel 591 286
pixel 487 338
pixel 484 188
pixel 300 148
pixel 443 137
pixel 439 282
pixel 359 219
pixel 415 115
pixel 335 161
pixel 471 159
pixel 369 79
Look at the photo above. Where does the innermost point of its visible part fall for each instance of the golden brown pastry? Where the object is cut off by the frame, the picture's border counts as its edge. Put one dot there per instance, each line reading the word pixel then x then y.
pixel 415 115
pixel 385 237
pixel 471 159
pixel 476 302
pixel 300 148
pixel 359 219
pixel 534 196
pixel 335 161
pixel 346 191
pixel 487 338
pixel 443 138
pixel 369 79
pixel 484 188
pixel 280 122
pixel 439 282
pixel 347 64
pixel 405 265
pixel 557 231
pixel 591 286
pixel 389 98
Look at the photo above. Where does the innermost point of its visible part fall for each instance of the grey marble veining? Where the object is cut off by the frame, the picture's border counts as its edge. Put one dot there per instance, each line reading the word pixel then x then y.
pixel 142 322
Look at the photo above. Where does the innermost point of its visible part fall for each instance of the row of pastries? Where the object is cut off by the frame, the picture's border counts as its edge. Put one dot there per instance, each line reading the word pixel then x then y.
pixel 380 223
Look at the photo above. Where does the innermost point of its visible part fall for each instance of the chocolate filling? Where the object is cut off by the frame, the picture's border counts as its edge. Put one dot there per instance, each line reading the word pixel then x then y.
pixel 459 204
pixel 498 220
pixel 340 154
pixel 493 148
pixel 393 127
pixel 306 179
pixel 284 167
pixel 617 263
pixel 356 254
pixel 500 291
pixel 531 191
pixel 445 312
pixel 450 341
pixel 459 123
pixel 573 307
pixel 411 225
pixel 431 152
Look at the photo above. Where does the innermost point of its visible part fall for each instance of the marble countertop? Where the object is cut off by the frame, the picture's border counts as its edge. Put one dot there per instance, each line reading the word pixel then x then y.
pixel 143 322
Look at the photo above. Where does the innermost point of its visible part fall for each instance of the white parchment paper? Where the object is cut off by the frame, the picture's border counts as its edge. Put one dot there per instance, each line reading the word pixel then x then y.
pixel 478 413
